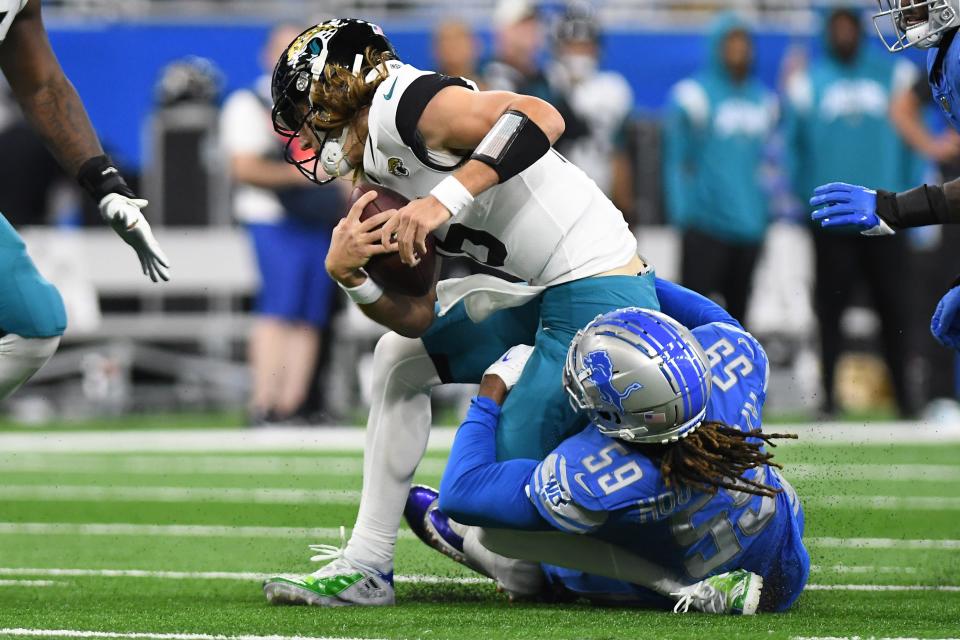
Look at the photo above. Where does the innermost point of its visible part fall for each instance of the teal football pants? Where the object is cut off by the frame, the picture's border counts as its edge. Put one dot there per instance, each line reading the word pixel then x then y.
pixel 536 416
pixel 30 306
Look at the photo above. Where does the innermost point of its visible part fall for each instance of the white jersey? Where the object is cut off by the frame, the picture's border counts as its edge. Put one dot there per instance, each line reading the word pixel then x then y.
pixel 8 13
pixel 548 225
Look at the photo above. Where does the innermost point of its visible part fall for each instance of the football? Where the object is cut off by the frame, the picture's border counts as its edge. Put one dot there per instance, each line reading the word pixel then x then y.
pixel 387 270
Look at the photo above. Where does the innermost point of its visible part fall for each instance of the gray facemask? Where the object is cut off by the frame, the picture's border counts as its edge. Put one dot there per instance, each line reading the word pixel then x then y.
pixel 908 31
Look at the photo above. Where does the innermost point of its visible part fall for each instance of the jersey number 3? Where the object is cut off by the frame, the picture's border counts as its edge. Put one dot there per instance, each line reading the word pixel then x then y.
pixel 459 235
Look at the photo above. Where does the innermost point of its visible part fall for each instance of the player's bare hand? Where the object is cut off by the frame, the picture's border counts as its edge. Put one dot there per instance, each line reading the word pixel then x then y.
pixel 354 242
pixel 407 229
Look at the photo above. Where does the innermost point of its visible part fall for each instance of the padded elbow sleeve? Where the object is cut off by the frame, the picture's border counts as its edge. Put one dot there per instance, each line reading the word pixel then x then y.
pixel 514 143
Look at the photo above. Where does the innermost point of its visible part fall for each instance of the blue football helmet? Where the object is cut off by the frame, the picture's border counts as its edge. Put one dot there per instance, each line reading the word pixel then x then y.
pixel 639 375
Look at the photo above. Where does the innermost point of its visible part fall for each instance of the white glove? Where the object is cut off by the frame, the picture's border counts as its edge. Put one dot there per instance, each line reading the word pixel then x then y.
pixel 123 214
pixel 509 367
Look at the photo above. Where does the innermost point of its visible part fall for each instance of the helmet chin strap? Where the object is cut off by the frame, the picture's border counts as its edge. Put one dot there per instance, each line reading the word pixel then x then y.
pixel 333 156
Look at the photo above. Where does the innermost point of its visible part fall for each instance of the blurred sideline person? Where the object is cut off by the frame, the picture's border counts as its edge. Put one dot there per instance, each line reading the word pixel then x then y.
pixel 290 226
pixel 621 496
pixel 456 50
pixel 601 100
pixel 873 211
pixel 492 189
pixel 838 128
pixel 518 41
pixel 934 252
pixel 717 128
pixel 32 316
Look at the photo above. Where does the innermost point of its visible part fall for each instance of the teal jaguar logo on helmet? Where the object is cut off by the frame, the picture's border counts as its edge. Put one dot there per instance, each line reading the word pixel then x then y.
pixel 601 374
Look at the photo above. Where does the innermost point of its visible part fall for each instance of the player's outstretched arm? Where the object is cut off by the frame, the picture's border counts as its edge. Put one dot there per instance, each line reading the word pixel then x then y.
pixel 878 212
pixel 506 133
pixel 352 245
pixel 475 488
pixel 52 106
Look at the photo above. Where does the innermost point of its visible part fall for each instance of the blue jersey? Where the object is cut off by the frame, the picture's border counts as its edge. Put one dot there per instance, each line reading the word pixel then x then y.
pixel 592 484
pixel 943 73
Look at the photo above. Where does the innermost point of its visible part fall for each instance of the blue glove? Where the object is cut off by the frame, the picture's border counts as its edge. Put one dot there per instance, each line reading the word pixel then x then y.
pixel 848 207
pixel 945 324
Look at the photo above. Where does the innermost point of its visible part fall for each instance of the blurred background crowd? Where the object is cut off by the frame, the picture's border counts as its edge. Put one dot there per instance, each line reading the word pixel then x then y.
pixel 707 123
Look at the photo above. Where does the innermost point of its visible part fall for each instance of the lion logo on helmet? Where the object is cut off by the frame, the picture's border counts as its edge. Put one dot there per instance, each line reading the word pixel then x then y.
pixel 601 374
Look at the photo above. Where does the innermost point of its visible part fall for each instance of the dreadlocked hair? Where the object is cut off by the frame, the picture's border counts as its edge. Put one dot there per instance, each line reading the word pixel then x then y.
pixel 342 94
pixel 716 456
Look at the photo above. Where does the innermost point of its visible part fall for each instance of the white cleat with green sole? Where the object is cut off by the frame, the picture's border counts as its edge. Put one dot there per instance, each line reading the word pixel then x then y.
pixel 734 593
pixel 340 583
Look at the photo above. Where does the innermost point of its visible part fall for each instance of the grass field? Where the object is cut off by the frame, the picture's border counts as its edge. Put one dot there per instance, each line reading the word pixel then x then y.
pixel 120 535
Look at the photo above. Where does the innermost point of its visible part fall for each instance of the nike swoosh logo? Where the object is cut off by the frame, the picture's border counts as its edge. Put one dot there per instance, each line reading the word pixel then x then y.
pixel 389 94
pixel 579 478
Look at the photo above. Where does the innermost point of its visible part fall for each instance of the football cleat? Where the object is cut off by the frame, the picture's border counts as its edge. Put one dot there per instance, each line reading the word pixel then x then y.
pixel 433 527
pixel 735 593
pixel 338 584
pixel 518 579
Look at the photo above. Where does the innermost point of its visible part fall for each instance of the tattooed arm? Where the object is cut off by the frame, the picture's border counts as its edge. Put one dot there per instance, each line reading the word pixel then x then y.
pixel 46 95
pixel 52 106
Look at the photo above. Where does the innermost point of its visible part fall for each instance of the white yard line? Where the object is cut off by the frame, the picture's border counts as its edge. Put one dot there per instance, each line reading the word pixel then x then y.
pixel 899 503
pixel 407 579
pixel 858 472
pixel 862 638
pixel 77 633
pixel 224 531
pixel 881 543
pixel 846 568
pixel 31 583
pixel 173 530
pixel 325 439
pixel 243 576
pixel 98 493
pixel 883 587
pixel 319 465
pixel 346 438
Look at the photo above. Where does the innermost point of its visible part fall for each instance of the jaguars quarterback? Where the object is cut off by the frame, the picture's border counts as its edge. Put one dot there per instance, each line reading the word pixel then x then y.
pixel 925 24
pixel 693 495
pixel 32 316
pixel 483 179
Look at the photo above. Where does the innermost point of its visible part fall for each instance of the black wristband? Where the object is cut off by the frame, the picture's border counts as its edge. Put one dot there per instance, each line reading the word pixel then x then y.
pixel 514 143
pixel 917 207
pixel 955 283
pixel 99 177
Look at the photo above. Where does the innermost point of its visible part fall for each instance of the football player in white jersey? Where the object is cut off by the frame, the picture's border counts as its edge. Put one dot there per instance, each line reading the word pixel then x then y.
pixel 32 317
pixel 482 177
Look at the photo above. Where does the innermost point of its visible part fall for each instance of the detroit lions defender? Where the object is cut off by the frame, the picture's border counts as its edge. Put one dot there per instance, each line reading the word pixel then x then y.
pixel 482 178
pixel 692 493
pixel 929 24
pixel 32 317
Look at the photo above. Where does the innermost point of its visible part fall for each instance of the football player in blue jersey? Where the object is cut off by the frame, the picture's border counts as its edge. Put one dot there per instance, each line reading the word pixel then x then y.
pixel 925 24
pixel 670 489
pixel 32 316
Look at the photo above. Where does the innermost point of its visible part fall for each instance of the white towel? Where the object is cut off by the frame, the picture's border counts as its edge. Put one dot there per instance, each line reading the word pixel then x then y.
pixel 484 294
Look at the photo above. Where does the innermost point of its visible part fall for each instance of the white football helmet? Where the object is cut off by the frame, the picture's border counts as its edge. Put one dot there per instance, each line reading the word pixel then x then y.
pixel 916 23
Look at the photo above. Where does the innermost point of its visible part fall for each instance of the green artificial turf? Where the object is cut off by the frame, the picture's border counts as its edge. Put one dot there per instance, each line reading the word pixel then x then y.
pixel 233 605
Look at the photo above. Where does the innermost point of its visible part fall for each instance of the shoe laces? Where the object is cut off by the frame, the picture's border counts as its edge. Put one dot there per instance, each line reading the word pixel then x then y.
pixel 330 552
pixel 702 592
